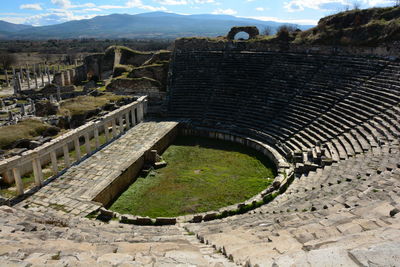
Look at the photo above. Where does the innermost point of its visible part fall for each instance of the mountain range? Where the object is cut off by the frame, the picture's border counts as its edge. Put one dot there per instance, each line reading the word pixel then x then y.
pixel 146 25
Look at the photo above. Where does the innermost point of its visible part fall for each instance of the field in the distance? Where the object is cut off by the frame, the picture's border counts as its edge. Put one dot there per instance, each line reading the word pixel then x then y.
pixel 202 175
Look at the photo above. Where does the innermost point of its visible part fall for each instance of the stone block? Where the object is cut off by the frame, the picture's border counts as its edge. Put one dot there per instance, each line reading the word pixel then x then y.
pixel 196 219
pixel 143 221
pixel 210 216
pixel 165 221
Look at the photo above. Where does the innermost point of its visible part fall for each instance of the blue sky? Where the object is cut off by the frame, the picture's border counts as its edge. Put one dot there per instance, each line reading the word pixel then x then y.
pixel 46 12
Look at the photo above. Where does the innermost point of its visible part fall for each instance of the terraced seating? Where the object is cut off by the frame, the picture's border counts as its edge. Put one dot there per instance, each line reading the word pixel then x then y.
pixel 344 104
pixel 344 213
pixel 52 239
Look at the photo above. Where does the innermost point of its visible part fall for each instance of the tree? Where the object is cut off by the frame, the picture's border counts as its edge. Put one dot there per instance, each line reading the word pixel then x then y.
pixel 7 60
pixel 267 31
pixel 356 5
pixel 70 58
pixel 46 58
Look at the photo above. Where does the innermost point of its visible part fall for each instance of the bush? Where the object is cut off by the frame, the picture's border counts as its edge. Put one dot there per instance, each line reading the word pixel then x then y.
pixel 285 31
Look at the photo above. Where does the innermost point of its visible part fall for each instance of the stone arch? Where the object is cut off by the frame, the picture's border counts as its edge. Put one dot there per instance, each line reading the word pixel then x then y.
pixel 252 31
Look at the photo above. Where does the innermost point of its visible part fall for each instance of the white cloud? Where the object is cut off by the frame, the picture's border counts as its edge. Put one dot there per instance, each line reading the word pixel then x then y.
pixel 300 5
pixel 260 8
pixel 292 21
pixel 16 20
pixel 31 6
pixel 371 3
pixel 55 17
pixel 139 4
pixel 221 11
pixel 62 3
pixel 204 1
pixel 173 2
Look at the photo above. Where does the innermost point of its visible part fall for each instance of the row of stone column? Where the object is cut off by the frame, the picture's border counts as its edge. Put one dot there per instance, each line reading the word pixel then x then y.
pixel 37 71
pixel 30 83
pixel 112 128
pixel 66 77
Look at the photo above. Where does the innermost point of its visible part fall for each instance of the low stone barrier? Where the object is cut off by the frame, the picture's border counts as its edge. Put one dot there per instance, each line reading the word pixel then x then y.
pixel 13 168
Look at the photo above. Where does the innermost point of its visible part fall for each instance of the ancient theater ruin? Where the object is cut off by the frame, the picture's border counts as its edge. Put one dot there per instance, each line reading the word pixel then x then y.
pixel 328 117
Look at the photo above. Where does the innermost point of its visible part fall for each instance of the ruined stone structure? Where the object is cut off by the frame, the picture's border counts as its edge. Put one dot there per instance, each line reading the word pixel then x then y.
pixel 330 120
pixel 252 31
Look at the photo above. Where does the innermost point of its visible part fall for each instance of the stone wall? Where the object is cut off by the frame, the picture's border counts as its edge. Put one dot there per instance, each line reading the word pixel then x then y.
pixel 204 44
pixel 130 174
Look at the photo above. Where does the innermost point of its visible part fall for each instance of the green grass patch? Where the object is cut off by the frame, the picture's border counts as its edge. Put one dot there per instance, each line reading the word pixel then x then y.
pixel 27 129
pixel 202 175
pixel 83 104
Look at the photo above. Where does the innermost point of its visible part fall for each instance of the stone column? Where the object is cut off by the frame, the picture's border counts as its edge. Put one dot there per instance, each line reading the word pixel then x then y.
pixel 37 171
pixel 36 80
pixel 76 62
pixel 28 79
pixel 7 81
pixel 42 76
pixel 48 75
pixel 19 83
pixel 145 103
pixel 54 165
pixel 96 137
pixel 23 110
pixel 106 132
pixel 15 84
pixel 62 79
pixel 67 160
pixel 133 116
pixel 58 94
pixel 10 116
pixel 121 124
pixel 18 180
pixel 77 148
pixel 21 73
pixel 32 103
pixel 114 128
pixel 67 78
pixel 140 112
pixel 127 121
pixel 72 76
pixel 87 144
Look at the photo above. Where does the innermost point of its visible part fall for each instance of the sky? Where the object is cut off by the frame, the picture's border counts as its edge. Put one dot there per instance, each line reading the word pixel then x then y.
pixel 47 12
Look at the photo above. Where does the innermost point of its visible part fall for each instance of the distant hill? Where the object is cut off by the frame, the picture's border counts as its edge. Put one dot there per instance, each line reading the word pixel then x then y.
pixel 11 27
pixel 146 25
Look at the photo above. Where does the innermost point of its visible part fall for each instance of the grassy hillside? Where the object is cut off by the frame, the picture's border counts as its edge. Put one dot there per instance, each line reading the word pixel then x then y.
pixel 367 27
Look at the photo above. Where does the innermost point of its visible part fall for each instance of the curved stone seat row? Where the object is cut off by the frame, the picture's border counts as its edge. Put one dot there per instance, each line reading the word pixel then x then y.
pixel 345 213
pixel 299 100
pixel 338 119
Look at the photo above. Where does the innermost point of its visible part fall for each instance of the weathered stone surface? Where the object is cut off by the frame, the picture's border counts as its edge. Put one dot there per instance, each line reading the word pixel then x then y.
pixel 252 31
pixel 83 186
pixel 385 254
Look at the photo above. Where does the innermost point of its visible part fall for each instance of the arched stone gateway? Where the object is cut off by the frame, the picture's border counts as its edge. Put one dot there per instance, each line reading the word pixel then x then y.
pixel 252 31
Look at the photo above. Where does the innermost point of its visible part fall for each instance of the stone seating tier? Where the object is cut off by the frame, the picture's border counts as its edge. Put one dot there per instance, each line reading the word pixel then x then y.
pixel 296 100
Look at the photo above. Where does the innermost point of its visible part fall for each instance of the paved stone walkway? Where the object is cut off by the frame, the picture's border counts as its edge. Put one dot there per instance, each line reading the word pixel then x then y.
pixel 74 191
